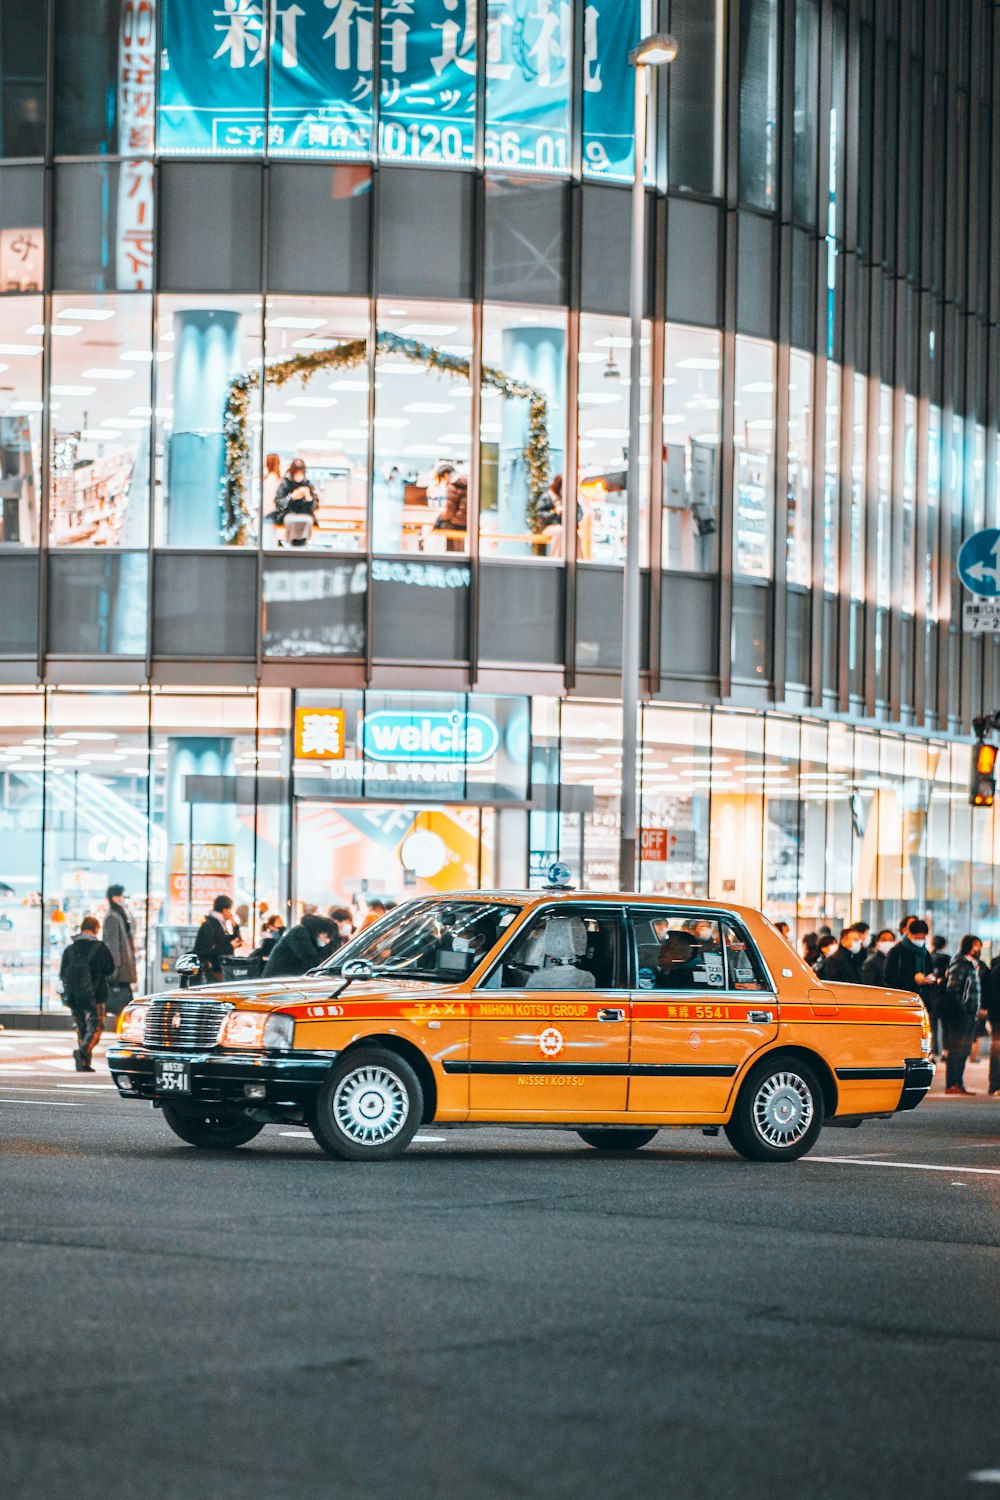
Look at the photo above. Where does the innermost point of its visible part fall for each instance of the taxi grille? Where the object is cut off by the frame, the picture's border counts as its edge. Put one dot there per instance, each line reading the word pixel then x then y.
pixel 184 1023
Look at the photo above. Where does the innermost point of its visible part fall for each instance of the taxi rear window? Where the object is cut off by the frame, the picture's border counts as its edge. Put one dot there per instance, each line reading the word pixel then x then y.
pixel 692 952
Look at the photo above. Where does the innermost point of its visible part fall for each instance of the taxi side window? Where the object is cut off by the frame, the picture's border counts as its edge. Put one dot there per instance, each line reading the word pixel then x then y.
pixel 745 972
pixel 563 949
pixel 675 952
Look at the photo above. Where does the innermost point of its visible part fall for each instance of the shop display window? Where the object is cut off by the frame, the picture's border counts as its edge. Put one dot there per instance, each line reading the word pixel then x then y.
pixel 519 515
pixel 102 360
pixel 315 432
pixel 798 523
pixel 753 456
pixel 691 430
pixel 674 823
pixel 23 934
pixel 423 436
pixel 21 331
pixel 205 496
pixel 602 439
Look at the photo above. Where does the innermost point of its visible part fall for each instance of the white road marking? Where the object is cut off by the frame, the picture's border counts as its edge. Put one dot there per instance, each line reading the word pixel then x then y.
pixel 49 1103
pixel 428 1139
pixel 113 1087
pixel 911 1166
pixel 985 1476
pixel 298 1135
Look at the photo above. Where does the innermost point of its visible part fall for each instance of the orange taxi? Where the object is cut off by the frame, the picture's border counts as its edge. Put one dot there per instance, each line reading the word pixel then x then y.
pixel 612 1016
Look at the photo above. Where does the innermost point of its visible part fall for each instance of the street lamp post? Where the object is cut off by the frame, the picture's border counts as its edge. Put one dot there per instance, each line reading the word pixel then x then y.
pixel 652 51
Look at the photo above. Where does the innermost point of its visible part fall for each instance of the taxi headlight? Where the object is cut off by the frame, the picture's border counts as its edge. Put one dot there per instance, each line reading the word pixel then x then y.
pixel 132 1023
pixel 257 1029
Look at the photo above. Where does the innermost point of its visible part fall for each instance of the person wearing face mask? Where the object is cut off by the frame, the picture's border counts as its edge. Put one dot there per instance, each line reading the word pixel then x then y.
pixel 302 947
pixel 873 968
pixel 344 926
pixel 853 944
pixel 837 965
pixel 963 999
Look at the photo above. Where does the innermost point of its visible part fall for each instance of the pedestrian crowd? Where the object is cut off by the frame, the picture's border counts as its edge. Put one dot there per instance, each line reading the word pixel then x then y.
pixel 960 993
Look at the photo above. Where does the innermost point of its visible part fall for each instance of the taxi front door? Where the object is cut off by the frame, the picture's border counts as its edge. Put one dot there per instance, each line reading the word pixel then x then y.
pixel 554 1040
pixel 703 1007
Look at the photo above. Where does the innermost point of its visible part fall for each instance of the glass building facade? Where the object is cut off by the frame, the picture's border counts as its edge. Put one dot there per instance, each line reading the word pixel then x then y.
pixel 390 241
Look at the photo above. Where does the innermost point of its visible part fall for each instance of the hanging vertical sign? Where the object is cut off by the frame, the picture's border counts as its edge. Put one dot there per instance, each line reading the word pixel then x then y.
pixel 136 127
pixel 611 30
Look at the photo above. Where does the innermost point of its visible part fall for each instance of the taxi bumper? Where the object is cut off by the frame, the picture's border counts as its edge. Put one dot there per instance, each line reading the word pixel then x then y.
pixel 248 1080
pixel 917 1080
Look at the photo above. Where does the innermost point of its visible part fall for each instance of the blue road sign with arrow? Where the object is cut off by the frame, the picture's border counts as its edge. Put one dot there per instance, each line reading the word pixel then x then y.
pixel 979 563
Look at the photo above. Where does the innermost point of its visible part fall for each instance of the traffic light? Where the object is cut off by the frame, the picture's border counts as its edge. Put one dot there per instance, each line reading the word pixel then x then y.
pixel 983 787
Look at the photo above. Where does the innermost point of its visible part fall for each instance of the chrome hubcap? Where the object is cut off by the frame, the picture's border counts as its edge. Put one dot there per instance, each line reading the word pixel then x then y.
pixel 370 1105
pixel 783 1109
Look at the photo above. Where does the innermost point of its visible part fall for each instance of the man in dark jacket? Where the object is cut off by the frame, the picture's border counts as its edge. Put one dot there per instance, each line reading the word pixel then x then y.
pixel 217 936
pixel 119 935
pixel 963 997
pixel 991 1000
pixel 908 966
pixel 86 966
pixel 873 968
pixel 836 965
pixel 302 947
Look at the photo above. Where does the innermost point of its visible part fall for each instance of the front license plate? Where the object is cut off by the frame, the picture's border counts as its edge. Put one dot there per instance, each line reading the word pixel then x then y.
pixel 172 1076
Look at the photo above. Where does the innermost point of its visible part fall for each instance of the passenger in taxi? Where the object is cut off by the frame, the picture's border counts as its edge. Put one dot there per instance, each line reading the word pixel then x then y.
pixel 677 962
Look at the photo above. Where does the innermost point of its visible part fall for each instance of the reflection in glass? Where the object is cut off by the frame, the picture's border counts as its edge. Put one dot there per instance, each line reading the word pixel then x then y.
pixel 758 102
pixel 691 426
pixel 831 481
pixel 105 77
pixel 102 359
pixel 753 441
pixel 694 79
pixel 806 152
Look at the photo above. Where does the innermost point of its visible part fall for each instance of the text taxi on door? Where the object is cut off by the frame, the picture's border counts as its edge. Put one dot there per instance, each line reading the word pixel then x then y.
pixel 612 1016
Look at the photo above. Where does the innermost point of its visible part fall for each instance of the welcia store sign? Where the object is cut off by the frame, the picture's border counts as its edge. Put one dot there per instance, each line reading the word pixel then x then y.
pixel 440 738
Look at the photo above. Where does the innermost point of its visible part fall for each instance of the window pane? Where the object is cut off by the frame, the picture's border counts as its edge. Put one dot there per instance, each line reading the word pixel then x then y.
pixel 859 483
pixel 427 106
pixel 105 79
pixel 528 75
pixel 934 508
pixel 422 427
pixel 564 950
pixel 806 110
pixel 103 226
pixel 319 420
pixel 753 440
pixel 102 359
pixel 831 481
pixel 521 515
pixel 212 78
pixel 605 352
pixel 758 102
pixel 314 606
pixel 202 343
pixel 22 240
pixel 909 500
pixel 20 418
pixel 97 603
pixel 691 418
pixel 798 563
pixel 526 233
pixel 611 29
pixel 333 257
pixel 883 526
pixel 24 29
pixel 694 139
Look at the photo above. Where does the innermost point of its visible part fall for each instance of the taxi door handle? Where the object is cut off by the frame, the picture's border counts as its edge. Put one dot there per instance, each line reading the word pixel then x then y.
pixel 611 1013
pixel 760 1017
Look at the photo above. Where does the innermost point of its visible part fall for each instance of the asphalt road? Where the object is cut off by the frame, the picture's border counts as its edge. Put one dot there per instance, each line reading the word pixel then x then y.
pixel 500 1313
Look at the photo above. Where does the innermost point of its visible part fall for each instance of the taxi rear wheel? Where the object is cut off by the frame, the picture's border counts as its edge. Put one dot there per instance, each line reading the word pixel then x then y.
pixel 369 1108
pixel 779 1111
pixel 617 1140
pixel 213 1128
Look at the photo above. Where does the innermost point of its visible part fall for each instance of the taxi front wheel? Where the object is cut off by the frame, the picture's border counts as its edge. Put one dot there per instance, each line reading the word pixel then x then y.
pixel 213 1128
pixel 617 1140
pixel 779 1111
pixel 369 1108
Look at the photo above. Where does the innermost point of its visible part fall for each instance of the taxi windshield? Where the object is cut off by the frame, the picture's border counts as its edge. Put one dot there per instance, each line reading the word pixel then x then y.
pixel 438 940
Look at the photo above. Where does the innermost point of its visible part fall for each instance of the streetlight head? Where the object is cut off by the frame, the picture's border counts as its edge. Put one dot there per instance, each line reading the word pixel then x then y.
pixel 653 51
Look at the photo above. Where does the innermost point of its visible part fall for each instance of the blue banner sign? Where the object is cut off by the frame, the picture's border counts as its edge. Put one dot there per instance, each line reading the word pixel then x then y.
pixel 444 738
pixel 214 71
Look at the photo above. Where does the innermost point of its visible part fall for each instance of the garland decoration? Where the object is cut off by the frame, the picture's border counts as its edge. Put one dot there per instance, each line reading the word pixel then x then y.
pixel 236 518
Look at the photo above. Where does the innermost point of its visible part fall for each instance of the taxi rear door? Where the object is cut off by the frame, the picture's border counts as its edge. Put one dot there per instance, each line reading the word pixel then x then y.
pixel 703 1006
pixel 549 1030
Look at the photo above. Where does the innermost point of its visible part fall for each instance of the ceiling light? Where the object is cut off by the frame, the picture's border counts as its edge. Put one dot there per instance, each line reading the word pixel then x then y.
pixel 599 398
pixel 317 401
pixel 27 406
pixel 392 421
pixel 133 423
pixel 428 330
pixel 294 322
pixel 697 363
pixel 758 388
pixel 20 348
pixel 58 331
pixel 309 342
pixel 348 385
pixel 429 408
pixel 72 390
pixel 98 372
pixel 87 314
pixel 387 368
pixel 139 356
